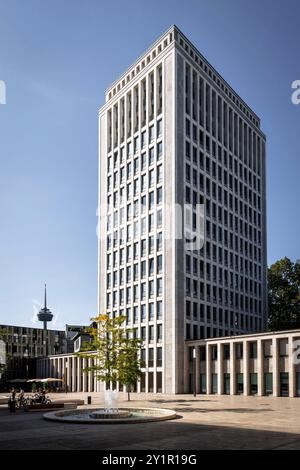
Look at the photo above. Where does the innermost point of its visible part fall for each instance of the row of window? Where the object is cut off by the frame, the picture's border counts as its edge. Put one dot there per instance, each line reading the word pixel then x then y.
pixel 215 315
pixel 229 258
pixel 135 108
pixel 139 249
pixel 139 207
pixel 139 292
pixel 140 184
pixel 244 323
pixel 220 295
pixel 149 359
pixel 142 270
pixel 217 166
pixel 121 195
pixel 209 110
pixel 253 385
pixel 118 157
pixel 215 292
pixel 138 228
pixel 138 314
pixel 209 271
pixel 198 182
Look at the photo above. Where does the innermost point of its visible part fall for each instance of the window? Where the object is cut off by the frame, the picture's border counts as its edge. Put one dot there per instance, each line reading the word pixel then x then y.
pixel 151 311
pixel 159 310
pixel 151 156
pixel 159 242
pixel 268 382
pixel 159 196
pixel 159 286
pixel 239 350
pixel 159 174
pixel 143 313
pixel 159 333
pixel 151 289
pixel 151 334
pixel 159 357
pixel 239 384
pixel 159 128
pixel 159 264
pixel 151 267
pixel 253 350
pixel 150 357
pixel 226 351
pixel 151 134
pixel 253 384
pixel 159 218
pixel 159 150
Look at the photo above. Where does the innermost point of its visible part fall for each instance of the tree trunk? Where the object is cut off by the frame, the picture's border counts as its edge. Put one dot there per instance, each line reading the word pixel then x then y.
pixel 128 395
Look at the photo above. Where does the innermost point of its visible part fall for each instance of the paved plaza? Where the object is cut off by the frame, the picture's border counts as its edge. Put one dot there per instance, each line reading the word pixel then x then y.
pixel 204 422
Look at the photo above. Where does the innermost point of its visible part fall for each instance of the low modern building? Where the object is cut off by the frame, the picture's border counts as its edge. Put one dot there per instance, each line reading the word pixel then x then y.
pixel 257 364
pixel 70 369
pixel 23 345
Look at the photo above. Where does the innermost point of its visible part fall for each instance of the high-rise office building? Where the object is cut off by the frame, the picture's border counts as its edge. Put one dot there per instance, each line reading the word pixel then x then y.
pixel 174 134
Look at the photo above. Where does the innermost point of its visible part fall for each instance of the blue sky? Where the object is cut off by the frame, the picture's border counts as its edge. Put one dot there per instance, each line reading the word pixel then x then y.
pixel 56 58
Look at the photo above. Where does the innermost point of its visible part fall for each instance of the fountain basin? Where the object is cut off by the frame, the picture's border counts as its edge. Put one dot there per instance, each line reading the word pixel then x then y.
pixel 103 414
pixel 134 416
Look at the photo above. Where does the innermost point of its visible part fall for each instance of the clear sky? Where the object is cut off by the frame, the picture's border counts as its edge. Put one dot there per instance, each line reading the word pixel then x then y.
pixel 56 58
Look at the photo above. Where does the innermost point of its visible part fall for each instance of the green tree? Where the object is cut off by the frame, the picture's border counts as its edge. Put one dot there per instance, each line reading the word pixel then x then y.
pixel 129 364
pixel 284 295
pixel 114 350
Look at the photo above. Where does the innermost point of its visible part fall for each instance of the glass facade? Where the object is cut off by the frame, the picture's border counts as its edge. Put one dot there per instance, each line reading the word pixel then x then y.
pixel 268 383
pixel 239 383
pixel 227 384
pixel 284 384
pixel 253 383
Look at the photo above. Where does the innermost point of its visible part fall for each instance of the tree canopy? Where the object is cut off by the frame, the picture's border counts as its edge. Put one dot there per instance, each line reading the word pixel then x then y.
pixel 284 295
pixel 114 351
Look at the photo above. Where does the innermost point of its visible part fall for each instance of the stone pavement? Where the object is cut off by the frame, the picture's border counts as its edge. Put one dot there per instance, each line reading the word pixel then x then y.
pixel 204 422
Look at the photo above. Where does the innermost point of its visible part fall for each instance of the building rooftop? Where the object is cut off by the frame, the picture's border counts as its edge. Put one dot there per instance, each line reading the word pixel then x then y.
pixel 174 36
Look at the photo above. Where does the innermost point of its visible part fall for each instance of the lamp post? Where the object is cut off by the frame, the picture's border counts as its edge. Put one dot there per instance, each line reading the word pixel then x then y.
pixel 194 371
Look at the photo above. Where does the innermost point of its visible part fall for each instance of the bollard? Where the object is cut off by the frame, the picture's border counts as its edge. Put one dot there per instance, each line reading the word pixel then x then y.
pixel 89 400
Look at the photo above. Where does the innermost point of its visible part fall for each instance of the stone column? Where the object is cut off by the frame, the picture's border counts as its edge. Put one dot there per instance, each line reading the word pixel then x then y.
pixel 291 368
pixel 90 377
pixel 84 375
pixel 275 367
pixel 260 368
pixel 246 367
pixel 58 369
pixel 69 373
pixel 74 372
pixel 186 365
pixel 232 369
pixel 79 374
pixel 208 369
pixel 220 369
pixel 197 369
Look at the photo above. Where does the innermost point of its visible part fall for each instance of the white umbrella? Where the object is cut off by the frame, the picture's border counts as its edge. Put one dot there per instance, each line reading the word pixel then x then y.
pixel 51 379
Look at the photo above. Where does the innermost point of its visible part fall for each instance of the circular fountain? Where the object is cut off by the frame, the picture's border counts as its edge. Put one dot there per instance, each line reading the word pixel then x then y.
pixel 111 414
